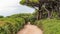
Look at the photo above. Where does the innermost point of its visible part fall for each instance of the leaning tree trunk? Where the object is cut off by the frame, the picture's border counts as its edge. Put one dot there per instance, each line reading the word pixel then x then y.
pixel 49 12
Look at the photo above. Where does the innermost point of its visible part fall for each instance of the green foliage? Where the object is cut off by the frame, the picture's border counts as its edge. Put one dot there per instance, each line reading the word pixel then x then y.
pixel 11 25
pixel 22 2
pixel 1 16
pixel 50 26
pixel 34 1
pixel 30 3
pixel 32 19
pixel 27 17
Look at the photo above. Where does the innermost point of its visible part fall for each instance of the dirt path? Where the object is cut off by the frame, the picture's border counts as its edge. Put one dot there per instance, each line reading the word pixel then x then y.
pixel 30 29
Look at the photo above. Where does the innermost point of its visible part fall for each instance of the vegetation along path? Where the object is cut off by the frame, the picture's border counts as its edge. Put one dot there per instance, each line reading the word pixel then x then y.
pixel 30 29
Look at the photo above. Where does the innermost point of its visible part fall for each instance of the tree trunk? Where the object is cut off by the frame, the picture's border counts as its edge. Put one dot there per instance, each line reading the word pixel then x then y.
pixel 49 14
pixel 39 15
pixel 58 7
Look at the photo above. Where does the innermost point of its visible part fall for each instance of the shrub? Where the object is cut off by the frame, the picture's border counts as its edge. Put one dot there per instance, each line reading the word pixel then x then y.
pixel 11 25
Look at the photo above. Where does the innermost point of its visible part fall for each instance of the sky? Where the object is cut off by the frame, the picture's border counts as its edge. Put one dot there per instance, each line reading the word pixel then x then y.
pixel 10 7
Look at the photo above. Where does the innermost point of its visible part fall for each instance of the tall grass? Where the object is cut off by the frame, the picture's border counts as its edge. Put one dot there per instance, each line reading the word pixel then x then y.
pixel 50 26
pixel 11 25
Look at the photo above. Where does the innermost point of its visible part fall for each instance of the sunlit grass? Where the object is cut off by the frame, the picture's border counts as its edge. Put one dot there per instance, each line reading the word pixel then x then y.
pixel 50 26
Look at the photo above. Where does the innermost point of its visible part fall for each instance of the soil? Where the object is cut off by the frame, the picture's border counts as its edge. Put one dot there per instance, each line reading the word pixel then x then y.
pixel 30 29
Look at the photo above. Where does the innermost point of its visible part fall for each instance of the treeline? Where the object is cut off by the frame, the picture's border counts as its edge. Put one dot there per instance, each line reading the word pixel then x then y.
pixel 45 8
pixel 26 16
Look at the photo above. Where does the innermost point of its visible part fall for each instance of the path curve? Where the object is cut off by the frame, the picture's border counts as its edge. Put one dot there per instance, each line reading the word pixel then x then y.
pixel 30 29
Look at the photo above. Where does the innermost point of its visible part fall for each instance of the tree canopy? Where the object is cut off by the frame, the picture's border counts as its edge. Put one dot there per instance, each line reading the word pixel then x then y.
pixel 43 5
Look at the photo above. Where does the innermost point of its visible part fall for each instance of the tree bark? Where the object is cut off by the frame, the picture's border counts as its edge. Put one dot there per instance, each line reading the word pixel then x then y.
pixel 49 14
pixel 39 15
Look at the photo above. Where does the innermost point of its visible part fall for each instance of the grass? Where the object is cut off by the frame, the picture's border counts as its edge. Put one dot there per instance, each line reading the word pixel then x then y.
pixel 50 26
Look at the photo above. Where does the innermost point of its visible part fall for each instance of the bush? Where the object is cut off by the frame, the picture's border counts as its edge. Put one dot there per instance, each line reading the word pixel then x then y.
pixel 11 25
pixel 1 16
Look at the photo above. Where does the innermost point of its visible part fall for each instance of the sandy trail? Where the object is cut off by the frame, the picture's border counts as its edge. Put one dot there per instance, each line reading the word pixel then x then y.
pixel 30 29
